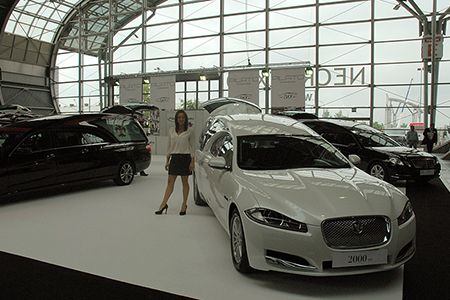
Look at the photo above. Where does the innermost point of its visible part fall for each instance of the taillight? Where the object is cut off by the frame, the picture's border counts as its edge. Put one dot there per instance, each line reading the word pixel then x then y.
pixel 148 148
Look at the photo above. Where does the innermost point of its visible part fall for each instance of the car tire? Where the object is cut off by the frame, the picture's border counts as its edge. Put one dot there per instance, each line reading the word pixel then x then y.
pixel 378 169
pixel 238 245
pixel 198 200
pixel 125 173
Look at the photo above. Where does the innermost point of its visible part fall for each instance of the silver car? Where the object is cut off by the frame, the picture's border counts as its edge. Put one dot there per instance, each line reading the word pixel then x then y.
pixel 291 202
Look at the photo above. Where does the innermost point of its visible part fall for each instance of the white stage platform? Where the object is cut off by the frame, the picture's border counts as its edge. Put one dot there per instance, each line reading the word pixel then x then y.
pixel 113 232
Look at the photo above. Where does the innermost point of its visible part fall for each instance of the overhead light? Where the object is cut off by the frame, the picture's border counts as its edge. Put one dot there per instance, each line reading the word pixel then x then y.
pixel 265 73
pixel 203 77
pixel 309 71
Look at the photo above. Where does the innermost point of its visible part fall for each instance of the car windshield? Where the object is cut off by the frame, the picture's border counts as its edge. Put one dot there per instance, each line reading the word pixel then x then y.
pixel 370 137
pixel 274 152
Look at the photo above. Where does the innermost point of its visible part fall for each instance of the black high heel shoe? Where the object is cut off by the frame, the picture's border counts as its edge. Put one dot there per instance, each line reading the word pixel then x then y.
pixel 158 212
pixel 183 212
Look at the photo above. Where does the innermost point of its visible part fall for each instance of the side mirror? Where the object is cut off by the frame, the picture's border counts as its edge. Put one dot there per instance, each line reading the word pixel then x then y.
pixel 218 163
pixel 354 159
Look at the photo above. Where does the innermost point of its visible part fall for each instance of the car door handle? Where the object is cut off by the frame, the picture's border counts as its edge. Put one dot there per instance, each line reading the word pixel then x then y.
pixel 226 197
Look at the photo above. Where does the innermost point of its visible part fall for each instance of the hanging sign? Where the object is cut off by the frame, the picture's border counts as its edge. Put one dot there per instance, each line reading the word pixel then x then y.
pixel 162 92
pixel 244 84
pixel 288 87
pixel 130 90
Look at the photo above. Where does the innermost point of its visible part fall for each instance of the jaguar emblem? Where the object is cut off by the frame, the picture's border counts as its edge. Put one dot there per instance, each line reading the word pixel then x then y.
pixel 357 227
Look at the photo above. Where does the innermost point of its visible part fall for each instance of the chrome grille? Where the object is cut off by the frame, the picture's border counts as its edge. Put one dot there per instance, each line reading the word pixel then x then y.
pixel 423 163
pixel 356 232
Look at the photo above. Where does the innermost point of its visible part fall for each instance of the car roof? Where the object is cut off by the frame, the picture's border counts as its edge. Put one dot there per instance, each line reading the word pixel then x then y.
pixel 343 123
pixel 264 124
pixel 349 125
pixel 298 115
pixel 57 120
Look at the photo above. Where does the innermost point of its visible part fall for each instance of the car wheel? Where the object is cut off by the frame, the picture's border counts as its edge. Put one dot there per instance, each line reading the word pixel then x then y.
pixel 198 200
pixel 238 246
pixel 125 173
pixel 378 170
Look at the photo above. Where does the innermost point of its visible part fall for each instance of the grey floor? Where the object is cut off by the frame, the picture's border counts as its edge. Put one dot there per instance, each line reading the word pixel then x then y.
pixel 112 232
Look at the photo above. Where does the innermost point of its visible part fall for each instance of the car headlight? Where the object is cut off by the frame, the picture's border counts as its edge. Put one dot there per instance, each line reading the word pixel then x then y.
pixel 396 161
pixel 406 214
pixel 274 219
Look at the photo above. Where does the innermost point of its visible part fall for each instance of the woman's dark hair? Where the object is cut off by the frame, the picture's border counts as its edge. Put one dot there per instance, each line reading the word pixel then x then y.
pixel 186 121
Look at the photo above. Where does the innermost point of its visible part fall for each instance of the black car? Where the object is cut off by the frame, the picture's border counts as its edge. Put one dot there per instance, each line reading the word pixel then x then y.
pixel 65 149
pixel 381 156
pixel 297 115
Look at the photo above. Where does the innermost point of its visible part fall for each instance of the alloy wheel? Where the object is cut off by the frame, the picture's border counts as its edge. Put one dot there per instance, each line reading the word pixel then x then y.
pixel 237 239
pixel 377 171
pixel 126 173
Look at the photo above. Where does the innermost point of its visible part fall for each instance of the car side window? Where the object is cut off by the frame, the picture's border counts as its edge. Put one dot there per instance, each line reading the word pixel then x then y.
pixel 90 138
pixel 339 138
pixel 67 138
pixel 38 141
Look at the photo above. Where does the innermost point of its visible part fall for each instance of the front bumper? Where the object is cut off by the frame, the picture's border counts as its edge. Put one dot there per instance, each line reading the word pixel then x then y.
pixel 404 172
pixel 273 249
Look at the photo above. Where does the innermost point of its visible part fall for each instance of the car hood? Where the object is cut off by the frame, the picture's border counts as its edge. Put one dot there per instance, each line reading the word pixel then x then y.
pixel 402 151
pixel 313 195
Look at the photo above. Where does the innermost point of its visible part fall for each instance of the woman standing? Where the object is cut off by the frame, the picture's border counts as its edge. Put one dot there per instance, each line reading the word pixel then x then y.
pixel 179 159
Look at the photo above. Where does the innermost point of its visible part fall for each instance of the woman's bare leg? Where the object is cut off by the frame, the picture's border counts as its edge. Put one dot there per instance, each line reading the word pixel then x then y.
pixel 185 181
pixel 169 190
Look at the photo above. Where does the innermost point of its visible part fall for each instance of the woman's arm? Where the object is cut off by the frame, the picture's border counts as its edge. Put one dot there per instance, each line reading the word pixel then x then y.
pixel 169 149
pixel 192 149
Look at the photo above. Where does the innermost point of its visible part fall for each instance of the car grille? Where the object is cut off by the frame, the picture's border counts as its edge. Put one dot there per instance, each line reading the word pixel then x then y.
pixel 423 163
pixel 356 232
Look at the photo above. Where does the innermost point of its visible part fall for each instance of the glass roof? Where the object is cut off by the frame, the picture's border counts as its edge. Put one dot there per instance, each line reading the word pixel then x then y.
pixel 38 19
pixel 41 20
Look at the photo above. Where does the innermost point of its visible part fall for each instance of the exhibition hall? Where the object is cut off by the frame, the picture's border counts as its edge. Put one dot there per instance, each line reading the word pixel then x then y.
pixel 224 149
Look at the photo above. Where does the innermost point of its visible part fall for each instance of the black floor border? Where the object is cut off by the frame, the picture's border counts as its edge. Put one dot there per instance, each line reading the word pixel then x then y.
pixel 427 274
pixel 25 278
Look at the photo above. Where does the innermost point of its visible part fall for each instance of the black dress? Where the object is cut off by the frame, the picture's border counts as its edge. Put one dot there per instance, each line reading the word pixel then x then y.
pixel 179 164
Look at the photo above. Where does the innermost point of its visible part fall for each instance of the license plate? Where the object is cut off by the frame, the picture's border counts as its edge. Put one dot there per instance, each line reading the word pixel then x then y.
pixel 359 258
pixel 426 172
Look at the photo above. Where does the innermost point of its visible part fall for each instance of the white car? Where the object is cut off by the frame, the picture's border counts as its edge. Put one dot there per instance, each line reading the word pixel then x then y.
pixel 291 202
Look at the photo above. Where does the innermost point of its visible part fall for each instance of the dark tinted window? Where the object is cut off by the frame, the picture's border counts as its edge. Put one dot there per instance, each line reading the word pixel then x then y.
pixel 91 138
pixel 124 128
pixel 76 137
pixel 374 139
pixel 339 138
pixel 268 152
pixel 67 138
pixel 38 141
pixel 10 137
